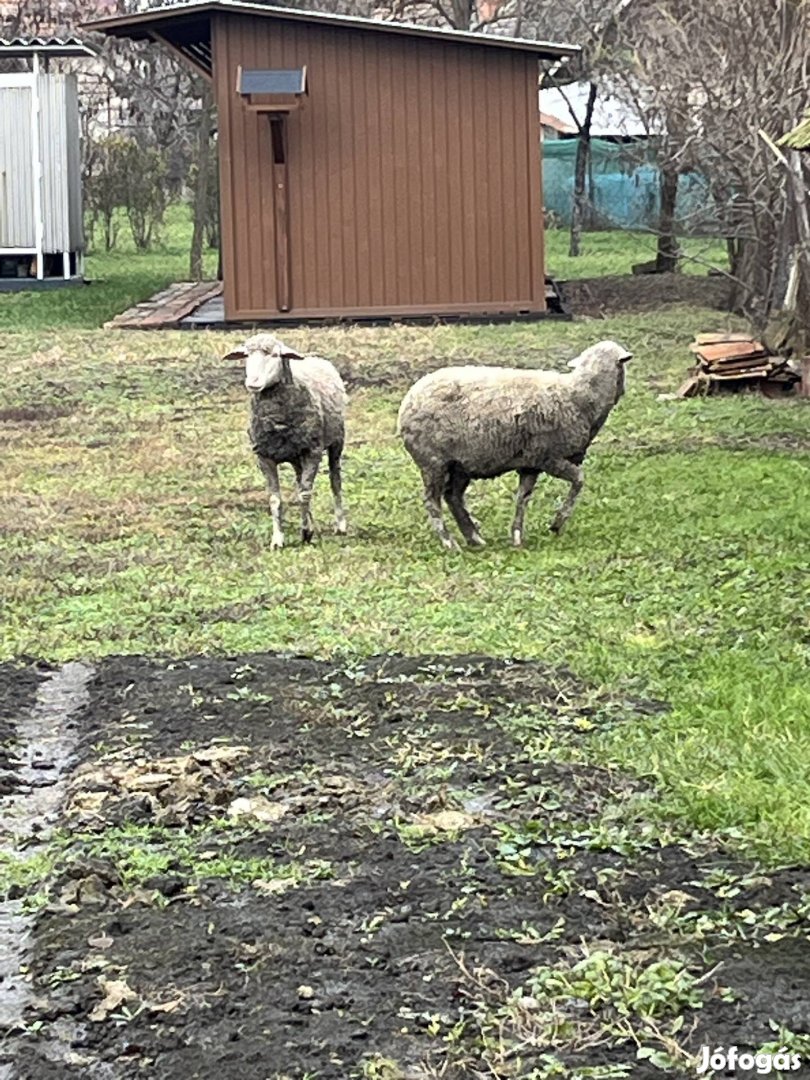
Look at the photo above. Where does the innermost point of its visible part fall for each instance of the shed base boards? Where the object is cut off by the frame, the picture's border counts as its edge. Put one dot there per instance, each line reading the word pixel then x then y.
pixel 38 284
pixel 200 306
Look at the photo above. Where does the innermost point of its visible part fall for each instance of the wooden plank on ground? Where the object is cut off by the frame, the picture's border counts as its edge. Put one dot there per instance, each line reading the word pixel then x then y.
pixel 688 388
pixel 732 350
pixel 751 364
pixel 752 373
pixel 168 307
pixel 720 336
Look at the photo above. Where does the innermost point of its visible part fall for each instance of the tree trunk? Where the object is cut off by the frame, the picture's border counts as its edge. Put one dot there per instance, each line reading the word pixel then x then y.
pixel 462 13
pixel 800 188
pixel 666 260
pixel 201 186
pixel 580 205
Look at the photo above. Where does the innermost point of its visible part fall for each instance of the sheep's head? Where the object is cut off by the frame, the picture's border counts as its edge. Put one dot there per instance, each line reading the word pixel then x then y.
pixel 606 358
pixel 603 354
pixel 267 361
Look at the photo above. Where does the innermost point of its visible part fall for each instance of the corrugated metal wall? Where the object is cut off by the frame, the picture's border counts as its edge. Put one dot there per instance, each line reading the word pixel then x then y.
pixel 413 175
pixel 74 163
pixel 16 170
pixel 60 155
pixel 53 144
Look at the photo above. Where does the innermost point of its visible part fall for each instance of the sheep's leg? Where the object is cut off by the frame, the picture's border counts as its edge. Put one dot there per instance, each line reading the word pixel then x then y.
pixel 306 470
pixel 565 470
pixel 334 452
pixel 270 471
pixel 454 488
pixel 524 493
pixel 434 485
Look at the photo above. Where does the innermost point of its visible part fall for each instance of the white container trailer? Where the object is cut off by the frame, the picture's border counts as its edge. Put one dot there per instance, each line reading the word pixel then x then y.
pixel 41 224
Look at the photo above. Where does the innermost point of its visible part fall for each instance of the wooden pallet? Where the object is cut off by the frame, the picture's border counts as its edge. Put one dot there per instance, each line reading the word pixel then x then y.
pixel 165 310
pixel 735 360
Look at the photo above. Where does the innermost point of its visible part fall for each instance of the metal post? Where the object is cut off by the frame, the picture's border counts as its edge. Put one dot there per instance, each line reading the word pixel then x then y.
pixel 36 150
pixel 65 265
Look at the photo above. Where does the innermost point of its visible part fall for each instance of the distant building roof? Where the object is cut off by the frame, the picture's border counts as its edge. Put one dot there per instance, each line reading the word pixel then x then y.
pixel 554 122
pixel 186 25
pixel 43 46
pixel 611 117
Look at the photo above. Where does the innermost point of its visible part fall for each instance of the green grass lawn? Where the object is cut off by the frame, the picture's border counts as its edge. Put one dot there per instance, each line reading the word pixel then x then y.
pixel 134 520
pixel 614 252
pixel 118 280
pixel 125 276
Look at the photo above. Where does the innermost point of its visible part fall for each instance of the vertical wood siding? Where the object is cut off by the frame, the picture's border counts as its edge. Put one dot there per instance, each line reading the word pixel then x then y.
pixel 413 170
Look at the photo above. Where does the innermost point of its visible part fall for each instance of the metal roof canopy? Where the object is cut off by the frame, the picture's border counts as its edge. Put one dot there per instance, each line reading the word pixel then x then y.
pixel 17 48
pixel 186 28
pixel 258 81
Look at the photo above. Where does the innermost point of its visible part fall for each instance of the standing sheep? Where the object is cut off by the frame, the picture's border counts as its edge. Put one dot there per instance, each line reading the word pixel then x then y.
pixel 298 411
pixel 465 423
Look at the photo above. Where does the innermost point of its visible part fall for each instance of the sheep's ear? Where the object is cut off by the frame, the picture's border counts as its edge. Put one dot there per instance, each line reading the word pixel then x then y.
pixel 286 353
pixel 625 358
pixel 236 354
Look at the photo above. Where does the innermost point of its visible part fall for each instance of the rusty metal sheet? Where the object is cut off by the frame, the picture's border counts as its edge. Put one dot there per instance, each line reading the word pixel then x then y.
pixel 731 350
pixel 719 336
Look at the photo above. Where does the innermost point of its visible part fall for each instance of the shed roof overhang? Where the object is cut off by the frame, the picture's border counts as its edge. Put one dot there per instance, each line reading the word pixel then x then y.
pixel 19 47
pixel 186 27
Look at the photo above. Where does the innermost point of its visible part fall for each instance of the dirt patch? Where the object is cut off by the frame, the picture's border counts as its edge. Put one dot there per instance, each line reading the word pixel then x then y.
pixel 606 296
pixel 18 689
pixel 786 442
pixel 34 414
pixel 274 867
pixel 393 374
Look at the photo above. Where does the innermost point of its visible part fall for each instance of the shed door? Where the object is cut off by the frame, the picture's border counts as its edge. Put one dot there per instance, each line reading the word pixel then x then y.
pixel 16 169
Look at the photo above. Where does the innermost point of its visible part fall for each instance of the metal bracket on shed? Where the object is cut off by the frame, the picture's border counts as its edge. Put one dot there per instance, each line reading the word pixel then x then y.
pixel 276 93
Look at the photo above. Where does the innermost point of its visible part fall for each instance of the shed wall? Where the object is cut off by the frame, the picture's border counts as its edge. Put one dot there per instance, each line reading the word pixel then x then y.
pixel 53 150
pixel 413 175
pixel 16 169
pixel 60 157
pixel 74 164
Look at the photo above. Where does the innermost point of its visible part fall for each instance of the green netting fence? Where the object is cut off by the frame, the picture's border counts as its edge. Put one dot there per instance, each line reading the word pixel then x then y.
pixel 624 185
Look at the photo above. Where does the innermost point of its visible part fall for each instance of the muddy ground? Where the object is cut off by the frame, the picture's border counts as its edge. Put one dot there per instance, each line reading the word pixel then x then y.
pixel 271 867
pixel 605 296
pixel 18 690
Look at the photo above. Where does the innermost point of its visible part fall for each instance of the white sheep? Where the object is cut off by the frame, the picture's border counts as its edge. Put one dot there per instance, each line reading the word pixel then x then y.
pixel 465 423
pixel 298 411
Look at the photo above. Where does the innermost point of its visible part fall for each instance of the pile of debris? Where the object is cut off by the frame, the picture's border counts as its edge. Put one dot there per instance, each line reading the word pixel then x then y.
pixel 732 361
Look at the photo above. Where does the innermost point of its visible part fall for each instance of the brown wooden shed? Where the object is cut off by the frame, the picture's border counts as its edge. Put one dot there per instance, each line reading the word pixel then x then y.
pixel 367 168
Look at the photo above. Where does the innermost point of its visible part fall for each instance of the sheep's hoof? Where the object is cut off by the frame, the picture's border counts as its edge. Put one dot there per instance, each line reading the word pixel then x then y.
pixel 477 541
pixel 556 527
pixel 277 543
pixel 306 536
pixel 450 544
pixel 340 527
pixel 517 538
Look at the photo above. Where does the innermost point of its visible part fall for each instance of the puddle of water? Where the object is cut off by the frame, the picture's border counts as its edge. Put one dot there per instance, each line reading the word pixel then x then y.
pixel 45 747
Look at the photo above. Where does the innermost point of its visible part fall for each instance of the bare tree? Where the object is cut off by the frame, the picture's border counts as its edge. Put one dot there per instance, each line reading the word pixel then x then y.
pixel 202 181
pixel 722 81
pixel 594 26
pixel 134 90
